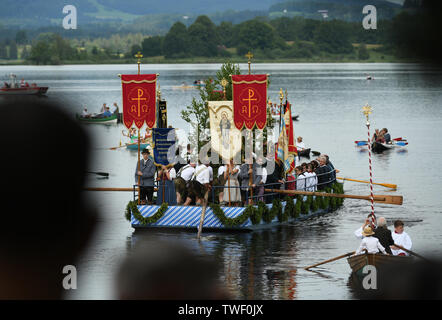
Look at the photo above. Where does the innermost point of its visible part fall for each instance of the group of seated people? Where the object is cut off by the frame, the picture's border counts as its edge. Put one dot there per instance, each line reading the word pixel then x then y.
pixel 382 136
pixel 378 238
pixel 105 111
pixel 186 182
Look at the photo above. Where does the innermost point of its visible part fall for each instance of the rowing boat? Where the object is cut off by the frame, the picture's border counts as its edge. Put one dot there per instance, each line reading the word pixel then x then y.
pixel 106 120
pixel 358 262
pixel 134 145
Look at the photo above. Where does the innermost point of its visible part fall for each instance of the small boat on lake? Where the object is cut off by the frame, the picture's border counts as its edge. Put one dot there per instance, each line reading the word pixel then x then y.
pixel 14 88
pixel 357 262
pixel 134 145
pixel 99 120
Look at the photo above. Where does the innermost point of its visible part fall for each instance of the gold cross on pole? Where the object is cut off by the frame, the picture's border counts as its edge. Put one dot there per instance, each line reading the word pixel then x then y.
pixel 224 85
pixel 249 100
pixel 138 56
pixel 249 56
pixel 139 99
pixel 367 110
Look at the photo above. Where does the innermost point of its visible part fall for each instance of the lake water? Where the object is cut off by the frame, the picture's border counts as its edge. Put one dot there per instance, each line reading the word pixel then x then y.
pixel 406 98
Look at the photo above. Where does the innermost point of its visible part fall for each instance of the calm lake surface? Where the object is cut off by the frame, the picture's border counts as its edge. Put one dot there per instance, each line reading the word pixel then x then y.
pixel 406 98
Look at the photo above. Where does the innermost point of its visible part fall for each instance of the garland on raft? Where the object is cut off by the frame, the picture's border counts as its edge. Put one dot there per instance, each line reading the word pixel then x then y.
pixel 132 208
pixel 258 213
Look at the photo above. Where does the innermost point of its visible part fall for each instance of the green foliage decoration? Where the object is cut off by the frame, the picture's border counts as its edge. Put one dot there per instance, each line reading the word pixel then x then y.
pixel 133 208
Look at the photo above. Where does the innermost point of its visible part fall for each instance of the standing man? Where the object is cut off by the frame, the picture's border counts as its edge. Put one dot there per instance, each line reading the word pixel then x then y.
pixel 400 238
pixel 147 174
pixel 323 173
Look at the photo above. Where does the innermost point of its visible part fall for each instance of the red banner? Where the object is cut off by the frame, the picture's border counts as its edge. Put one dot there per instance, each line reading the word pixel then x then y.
pixel 139 99
pixel 250 101
pixel 289 127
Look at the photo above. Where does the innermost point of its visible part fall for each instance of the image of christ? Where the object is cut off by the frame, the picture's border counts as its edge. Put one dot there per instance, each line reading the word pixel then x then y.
pixel 224 125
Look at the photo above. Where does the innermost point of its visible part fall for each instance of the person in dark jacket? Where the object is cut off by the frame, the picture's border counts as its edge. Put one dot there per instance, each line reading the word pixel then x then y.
pixel 384 234
pixel 323 173
pixel 147 173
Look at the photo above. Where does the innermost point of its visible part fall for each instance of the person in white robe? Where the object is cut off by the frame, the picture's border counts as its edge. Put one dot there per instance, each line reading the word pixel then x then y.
pixel 401 238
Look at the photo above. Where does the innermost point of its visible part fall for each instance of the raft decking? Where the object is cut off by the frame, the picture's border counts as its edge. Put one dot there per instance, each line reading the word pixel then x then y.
pixel 188 217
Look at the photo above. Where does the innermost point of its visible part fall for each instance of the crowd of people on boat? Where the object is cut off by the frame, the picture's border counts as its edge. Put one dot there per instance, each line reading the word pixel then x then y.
pixel 186 182
pixel 105 111
pixel 377 238
pixel 381 136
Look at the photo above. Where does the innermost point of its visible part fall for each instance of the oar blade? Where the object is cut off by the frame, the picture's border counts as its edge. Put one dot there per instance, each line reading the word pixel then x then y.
pixel 387 199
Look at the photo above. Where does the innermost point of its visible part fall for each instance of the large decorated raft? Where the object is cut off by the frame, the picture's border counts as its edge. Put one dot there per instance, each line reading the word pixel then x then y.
pixel 219 218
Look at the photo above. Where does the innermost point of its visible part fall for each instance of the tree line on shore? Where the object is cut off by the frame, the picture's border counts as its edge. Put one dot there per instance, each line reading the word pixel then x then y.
pixel 282 38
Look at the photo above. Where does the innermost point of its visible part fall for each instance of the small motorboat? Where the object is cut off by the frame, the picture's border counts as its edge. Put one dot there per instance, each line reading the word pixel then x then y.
pixel 24 88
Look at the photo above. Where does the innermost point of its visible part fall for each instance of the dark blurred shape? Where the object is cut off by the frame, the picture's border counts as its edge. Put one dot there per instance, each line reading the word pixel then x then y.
pixel 45 222
pixel 168 271
pixel 415 31
pixel 415 281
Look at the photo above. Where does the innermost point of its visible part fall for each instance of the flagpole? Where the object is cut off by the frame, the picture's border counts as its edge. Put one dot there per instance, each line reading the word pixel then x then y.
pixel 249 55
pixel 139 56
pixel 367 111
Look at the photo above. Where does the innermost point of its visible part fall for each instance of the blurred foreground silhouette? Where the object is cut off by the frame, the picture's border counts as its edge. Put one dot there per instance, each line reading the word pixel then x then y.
pixel 45 222
pixel 168 271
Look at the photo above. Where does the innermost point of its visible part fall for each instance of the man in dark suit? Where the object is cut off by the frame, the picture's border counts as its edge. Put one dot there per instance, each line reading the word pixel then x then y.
pixel 146 174
pixel 384 234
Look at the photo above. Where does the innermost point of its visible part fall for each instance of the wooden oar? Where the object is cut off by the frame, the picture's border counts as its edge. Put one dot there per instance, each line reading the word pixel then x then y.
pixel 104 174
pixel 330 260
pixel 111 189
pixel 387 199
pixel 203 213
pixel 410 252
pixel 387 185
pixel 114 148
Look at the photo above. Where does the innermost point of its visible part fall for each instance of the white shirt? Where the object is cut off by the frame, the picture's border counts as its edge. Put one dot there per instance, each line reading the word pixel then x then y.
pixel 210 173
pixel 310 182
pixel 221 170
pixel 300 182
pixel 358 233
pixel 113 108
pixel 402 239
pixel 202 174
pixel 371 244
pixel 264 176
pixel 300 145
pixel 172 173
pixel 187 172
pixel 85 113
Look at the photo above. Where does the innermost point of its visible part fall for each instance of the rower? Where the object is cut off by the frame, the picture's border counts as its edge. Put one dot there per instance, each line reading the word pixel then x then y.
pixel 401 238
pixel 299 144
pixel 386 135
pixel 199 184
pixel 182 183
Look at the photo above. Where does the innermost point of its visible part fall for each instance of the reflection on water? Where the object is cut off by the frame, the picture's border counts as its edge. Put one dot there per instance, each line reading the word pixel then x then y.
pixel 328 97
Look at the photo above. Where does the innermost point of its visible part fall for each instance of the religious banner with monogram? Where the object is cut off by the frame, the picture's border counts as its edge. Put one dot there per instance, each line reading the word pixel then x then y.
pixel 225 137
pixel 250 101
pixel 139 99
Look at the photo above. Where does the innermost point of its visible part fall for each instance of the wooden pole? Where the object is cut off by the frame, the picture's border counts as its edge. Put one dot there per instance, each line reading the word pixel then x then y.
pixel 387 199
pixel 111 189
pixel 203 213
pixel 139 168
pixel 164 184
pixel 330 260
pixel 228 181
